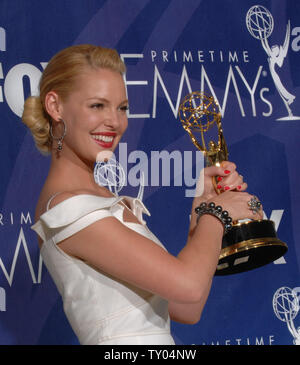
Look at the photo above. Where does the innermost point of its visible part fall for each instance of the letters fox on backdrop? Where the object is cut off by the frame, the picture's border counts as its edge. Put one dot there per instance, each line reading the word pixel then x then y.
pixel 244 53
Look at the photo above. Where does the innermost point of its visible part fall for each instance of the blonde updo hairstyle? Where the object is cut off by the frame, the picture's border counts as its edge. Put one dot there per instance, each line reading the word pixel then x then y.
pixel 59 76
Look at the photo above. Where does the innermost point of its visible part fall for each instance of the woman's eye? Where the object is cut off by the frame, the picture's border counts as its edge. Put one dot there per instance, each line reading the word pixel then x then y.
pixel 97 106
pixel 124 108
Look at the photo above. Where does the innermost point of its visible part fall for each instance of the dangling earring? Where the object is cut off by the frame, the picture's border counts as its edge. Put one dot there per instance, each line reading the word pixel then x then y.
pixel 59 139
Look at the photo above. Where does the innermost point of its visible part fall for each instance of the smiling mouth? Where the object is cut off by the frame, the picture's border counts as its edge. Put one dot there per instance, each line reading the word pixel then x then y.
pixel 104 140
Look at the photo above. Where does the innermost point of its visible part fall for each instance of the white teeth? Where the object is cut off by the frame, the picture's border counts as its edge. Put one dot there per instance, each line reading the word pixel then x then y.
pixel 103 138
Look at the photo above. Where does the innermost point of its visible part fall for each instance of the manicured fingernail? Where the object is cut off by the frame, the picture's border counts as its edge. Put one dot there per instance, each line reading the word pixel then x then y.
pixel 226 188
pixel 219 178
pixel 226 172
pixel 239 187
pixel 219 186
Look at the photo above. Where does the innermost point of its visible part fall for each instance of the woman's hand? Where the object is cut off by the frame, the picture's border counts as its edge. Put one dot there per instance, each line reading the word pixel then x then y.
pixel 226 177
pixel 230 184
pixel 236 203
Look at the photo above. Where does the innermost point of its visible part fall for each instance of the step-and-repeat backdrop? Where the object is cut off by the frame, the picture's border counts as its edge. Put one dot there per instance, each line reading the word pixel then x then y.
pixel 245 54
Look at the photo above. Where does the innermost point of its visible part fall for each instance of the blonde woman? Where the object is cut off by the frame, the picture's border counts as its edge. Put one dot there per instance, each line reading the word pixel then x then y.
pixel 118 283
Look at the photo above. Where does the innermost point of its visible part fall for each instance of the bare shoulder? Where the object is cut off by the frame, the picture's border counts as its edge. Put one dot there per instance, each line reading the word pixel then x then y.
pixel 62 196
pixel 59 198
pixel 50 198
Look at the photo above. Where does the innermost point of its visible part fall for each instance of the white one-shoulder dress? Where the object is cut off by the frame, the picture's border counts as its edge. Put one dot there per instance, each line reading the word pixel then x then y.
pixel 101 309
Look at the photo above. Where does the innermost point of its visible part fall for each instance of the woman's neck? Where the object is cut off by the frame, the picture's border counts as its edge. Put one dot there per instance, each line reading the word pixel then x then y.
pixel 71 173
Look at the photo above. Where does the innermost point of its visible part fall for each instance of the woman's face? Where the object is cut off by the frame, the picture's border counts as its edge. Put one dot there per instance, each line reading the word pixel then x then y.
pixel 95 114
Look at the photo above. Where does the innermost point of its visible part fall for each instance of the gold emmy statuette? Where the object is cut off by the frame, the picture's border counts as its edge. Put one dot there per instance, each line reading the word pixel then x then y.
pixel 249 244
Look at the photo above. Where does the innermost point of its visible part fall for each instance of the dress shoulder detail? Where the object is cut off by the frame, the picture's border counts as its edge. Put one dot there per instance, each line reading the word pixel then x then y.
pixel 71 209
pixel 73 214
pixel 79 211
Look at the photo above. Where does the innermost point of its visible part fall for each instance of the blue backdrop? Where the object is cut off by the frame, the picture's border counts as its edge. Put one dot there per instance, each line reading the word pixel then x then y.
pixel 170 48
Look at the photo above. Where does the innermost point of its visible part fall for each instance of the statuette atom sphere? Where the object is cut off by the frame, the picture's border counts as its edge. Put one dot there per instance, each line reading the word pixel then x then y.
pixel 198 111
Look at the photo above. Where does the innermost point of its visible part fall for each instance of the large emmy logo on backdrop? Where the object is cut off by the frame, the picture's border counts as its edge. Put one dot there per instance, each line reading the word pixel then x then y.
pixel 286 308
pixel 260 25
